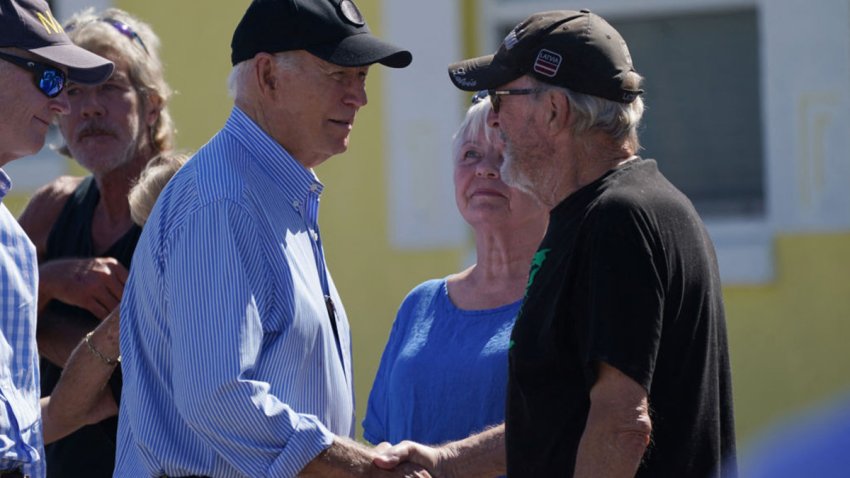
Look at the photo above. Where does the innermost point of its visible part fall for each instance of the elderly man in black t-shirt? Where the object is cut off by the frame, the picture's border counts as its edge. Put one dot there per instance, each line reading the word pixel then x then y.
pixel 618 362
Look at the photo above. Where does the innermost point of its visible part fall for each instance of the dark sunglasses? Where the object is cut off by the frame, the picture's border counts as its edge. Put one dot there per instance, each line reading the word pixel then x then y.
pixel 49 79
pixel 496 95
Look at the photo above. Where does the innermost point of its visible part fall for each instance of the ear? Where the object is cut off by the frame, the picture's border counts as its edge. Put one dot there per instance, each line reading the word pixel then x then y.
pixel 559 110
pixel 264 74
pixel 154 106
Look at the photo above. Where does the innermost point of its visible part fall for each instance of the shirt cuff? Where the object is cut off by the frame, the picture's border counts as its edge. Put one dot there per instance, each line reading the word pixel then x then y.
pixel 308 439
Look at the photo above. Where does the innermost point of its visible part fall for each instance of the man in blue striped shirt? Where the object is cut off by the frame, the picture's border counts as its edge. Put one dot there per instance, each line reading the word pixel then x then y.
pixel 236 347
pixel 37 58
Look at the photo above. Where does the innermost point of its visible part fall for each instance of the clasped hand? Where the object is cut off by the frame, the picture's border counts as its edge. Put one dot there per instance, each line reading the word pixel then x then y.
pixel 393 457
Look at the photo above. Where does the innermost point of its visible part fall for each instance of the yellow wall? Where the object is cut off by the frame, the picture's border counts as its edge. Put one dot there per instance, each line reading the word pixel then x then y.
pixel 789 339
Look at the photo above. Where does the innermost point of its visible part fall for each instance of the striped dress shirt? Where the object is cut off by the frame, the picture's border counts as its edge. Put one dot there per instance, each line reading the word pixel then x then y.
pixel 230 363
pixel 21 441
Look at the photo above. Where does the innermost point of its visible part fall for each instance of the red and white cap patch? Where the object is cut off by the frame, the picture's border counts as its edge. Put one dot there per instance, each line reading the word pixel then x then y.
pixel 547 63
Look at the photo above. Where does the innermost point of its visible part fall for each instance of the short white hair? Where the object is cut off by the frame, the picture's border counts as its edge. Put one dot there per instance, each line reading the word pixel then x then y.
pixel 618 120
pixel 472 125
pixel 242 71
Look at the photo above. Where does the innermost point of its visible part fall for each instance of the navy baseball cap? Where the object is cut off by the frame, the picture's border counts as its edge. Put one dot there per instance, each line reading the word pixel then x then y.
pixel 29 25
pixel 578 50
pixel 333 30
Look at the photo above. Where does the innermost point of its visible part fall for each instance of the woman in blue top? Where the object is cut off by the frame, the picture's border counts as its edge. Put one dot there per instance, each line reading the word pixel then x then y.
pixel 443 373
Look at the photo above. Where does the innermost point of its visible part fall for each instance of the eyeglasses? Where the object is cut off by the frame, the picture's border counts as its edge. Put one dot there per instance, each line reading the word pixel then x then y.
pixel 49 80
pixel 125 30
pixel 496 95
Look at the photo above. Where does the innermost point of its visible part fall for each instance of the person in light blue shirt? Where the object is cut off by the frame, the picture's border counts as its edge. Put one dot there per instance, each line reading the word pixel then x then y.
pixel 35 62
pixel 236 348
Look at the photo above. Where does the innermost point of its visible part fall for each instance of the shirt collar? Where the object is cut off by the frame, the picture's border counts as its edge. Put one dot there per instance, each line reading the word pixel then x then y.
pixel 294 179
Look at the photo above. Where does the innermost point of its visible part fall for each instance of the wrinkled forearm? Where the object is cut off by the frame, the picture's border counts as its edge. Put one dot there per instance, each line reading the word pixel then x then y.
pixel 343 459
pixel 81 396
pixel 480 455
pixel 610 447
pixel 349 459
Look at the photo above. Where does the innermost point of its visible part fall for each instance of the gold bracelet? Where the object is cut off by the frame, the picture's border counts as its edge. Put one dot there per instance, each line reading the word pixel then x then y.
pixel 108 361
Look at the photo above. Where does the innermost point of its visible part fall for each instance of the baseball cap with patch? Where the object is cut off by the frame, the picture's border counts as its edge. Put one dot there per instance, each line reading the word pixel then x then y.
pixel 29 25
pixel 333 30
pixel 576 50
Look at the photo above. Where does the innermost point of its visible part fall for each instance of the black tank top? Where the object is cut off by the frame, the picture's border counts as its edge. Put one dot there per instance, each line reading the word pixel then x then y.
pixel 89 451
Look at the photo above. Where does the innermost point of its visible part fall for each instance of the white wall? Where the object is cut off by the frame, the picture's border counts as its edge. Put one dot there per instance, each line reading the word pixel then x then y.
pixel 806 59
pixel 422 111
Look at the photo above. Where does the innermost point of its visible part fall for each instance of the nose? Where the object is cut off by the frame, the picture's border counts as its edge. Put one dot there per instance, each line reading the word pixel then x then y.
pixel 356 95
pixel 489 166
pixel 87 102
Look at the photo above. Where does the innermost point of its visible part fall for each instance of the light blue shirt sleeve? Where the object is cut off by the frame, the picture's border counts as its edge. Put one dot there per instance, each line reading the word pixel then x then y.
pixel 21 440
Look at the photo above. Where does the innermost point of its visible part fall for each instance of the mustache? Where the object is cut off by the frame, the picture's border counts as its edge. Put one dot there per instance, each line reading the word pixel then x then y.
pixel 94 128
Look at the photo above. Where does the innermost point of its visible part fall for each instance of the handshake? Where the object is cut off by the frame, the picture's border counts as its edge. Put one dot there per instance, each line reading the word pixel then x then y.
pixel 411 460
pixel 480 455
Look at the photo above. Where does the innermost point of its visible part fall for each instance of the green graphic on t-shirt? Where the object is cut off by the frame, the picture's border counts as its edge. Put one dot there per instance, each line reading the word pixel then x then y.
pixel 536 264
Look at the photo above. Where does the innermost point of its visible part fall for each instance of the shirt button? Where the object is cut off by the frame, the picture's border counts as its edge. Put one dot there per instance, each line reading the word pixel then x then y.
pixel 314 235
pixel 314 187
pixel 296 204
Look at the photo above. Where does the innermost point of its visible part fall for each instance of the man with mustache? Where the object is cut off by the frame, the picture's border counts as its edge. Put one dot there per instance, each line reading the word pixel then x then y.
pixel 36 61
pixel 81 226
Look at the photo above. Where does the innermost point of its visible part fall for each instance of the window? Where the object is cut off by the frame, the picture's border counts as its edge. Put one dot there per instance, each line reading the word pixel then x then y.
pixel 703 121
pixel 703 118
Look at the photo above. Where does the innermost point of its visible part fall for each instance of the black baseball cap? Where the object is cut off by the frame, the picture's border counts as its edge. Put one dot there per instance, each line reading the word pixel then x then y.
pixel 29 25
pixel 333 30
pixel 578 50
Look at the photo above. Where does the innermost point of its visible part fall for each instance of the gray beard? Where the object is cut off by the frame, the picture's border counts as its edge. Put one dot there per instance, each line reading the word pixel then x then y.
pixel 512 175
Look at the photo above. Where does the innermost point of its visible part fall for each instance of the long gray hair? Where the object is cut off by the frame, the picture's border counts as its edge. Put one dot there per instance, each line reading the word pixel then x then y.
pixel 101 33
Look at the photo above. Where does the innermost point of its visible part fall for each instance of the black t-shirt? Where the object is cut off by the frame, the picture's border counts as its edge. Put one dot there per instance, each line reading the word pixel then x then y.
pixel 626 275
pixel 89 451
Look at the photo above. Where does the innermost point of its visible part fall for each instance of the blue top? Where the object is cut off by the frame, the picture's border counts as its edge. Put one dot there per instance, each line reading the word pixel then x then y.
pixel 230 363
pixel 444 370
pixel 21 440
